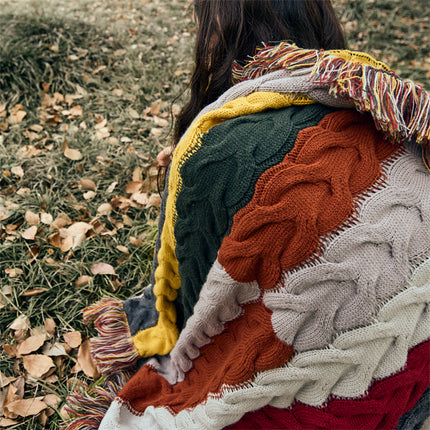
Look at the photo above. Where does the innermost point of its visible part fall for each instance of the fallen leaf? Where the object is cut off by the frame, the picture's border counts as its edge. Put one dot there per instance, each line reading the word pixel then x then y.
pixel 111 187
pixel 156 131
pixel 52 400
pixel 29 233
pixel 5 380
pixel 82 281
pixel 136 242
pixel 18 116
pixel 50 326
pixel 87 184
pixel 76 111
pixel 6 422
pixel 10 350
pixel 26 407
pixel 133 187
pixel 73 338
pixel 31 217
pixel 137 174
pixel 104 209
pixel 154 200
pixel 54 350
pixel 123 249
pixel 13 272
pixel 141 198
pixel 20 323
pixel 156 107
pixel 46 218
pixel 73 154
pixel 102 269
pixel 133 113
pixel 67 244
pixel 102 133
pixel 86 362
pixel 18 171
pixel 31 344
pixel 37 365
pixel 33 292
pixel 89 195
pixel 78 228
pixel 98 70
pixel 62 220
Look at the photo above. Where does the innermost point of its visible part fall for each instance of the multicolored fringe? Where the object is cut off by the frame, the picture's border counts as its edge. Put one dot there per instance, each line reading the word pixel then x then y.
pixel 87 406
pixel 113 350
pixel 399 107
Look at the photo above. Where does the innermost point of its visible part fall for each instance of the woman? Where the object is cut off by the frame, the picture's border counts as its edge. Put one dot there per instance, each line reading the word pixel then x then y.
pixel 292 275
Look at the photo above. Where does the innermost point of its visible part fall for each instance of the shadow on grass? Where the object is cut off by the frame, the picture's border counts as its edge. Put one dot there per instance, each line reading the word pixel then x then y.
pixel 38 49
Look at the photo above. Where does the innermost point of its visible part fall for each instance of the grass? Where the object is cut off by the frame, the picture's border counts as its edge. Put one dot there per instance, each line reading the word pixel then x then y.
pixel 114 60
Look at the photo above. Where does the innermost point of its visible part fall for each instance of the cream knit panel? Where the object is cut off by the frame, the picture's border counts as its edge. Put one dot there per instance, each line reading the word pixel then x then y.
pixel 220 300
pixel 362 265
pixel 346 368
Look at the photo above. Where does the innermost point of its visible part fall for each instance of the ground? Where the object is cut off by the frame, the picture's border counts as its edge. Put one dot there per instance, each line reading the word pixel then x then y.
pixel 88 92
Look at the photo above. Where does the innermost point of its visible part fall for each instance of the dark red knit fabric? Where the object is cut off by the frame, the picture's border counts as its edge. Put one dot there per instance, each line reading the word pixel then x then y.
pixel 386 401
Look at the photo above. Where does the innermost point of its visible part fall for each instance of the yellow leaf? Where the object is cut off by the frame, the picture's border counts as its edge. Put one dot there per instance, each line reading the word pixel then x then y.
pixel 37 365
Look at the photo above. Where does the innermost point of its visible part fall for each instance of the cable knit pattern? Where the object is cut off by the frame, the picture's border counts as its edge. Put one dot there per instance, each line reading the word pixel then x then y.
pixel 222 152
pixel 379 409
pixel 306 196
pixel 333 293
pixel 345 369
pixel 221 300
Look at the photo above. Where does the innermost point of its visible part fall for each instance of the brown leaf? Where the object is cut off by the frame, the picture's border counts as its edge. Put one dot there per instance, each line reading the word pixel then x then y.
pixel 20 323
pixel 17 171
pixel 31 344
pixel 156 107
pixel 26 407
pixel 10 350
pixel 133 187
pixel 104 209
pixel 154 200
pixel 86 362
pixel 62 220
pixel 87 184
pixel 37 365
pixel 78 228
pixel 136 242
pixel 6 422
pixel 67 244
pixel 102 269
pixel 29 233
pixel 50 326
pixel 13 272
pixel 55 240
pixel 33 292
pixel 89 195
pixel 133 113
pixel 17 117
pixel 73 154
pixel 31 217
pixel 141 198
pixel 76 111
pixel 54 350
pixel 46 218
pixel 123 249
pixel 5 380
pixel 73 338
pixel 82 281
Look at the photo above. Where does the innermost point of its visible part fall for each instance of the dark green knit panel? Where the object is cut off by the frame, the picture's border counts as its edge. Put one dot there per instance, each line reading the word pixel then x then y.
pixel 220 178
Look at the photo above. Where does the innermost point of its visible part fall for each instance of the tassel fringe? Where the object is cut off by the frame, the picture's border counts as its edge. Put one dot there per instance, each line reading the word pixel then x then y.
pixel 113 350
pixel 399 107
pixel 87 406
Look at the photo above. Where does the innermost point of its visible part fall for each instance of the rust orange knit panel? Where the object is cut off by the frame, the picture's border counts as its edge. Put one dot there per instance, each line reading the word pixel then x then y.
pixel 247 345
pixel 305 197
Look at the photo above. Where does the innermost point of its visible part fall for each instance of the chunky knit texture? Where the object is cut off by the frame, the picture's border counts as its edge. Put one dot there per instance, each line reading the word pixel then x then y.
pixel 291 285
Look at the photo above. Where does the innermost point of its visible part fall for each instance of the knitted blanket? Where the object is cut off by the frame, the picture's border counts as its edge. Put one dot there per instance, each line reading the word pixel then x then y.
pixel 291 280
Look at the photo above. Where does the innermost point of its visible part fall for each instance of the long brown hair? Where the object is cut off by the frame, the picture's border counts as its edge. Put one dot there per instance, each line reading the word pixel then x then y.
pixel 230 30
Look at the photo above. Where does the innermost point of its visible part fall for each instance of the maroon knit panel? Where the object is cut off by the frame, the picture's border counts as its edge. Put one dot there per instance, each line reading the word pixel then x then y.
pixel 386 401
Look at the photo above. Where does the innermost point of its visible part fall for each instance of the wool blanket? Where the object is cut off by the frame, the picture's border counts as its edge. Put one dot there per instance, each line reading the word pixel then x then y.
pixel 291 279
